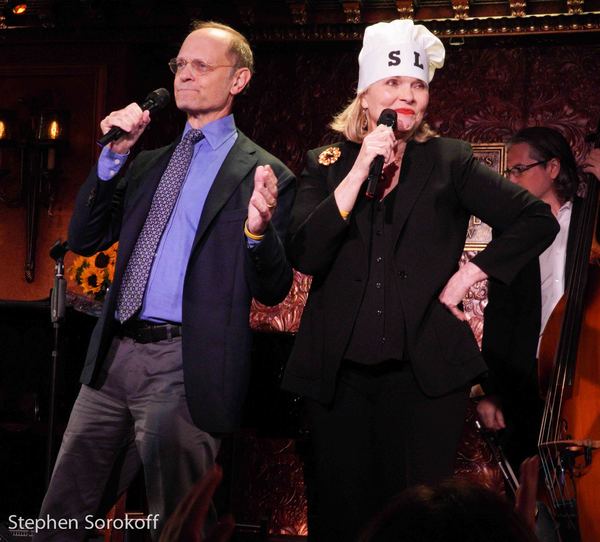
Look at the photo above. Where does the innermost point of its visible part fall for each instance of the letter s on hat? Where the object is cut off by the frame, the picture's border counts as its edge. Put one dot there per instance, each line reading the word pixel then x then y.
pixel 394 57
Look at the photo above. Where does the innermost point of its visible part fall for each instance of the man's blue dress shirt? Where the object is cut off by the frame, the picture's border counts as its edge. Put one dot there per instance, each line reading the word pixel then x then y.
pixel 164 291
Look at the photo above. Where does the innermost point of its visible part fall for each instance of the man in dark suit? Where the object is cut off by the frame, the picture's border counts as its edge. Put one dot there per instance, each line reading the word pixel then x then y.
pixel 540 160
pixel 199 225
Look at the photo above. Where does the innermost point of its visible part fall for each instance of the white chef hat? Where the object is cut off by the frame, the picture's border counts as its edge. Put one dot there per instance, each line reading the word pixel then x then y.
pixel 399 47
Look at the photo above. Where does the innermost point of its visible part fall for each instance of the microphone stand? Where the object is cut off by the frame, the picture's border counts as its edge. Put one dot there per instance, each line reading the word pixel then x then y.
pixel 57 315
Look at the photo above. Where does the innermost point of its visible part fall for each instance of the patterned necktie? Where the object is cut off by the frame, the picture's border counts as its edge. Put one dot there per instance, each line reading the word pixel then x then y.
pixel 138 267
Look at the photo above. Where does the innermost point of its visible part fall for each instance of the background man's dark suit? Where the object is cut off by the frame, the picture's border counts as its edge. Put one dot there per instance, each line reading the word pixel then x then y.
pixel 512 321
pixel 222 274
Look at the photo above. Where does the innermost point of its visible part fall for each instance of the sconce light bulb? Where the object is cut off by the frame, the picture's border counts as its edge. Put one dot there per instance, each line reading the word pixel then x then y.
pixel 2 130
pixel 53 130
pixel 19 9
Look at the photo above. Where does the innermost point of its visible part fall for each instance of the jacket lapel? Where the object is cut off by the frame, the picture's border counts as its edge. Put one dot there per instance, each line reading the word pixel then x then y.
pixel 237 165
pixel 150 174
pixel 415 172
pixel 417 166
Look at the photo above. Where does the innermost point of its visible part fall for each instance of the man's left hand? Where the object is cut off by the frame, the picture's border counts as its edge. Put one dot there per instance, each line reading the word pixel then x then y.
pixel 263 201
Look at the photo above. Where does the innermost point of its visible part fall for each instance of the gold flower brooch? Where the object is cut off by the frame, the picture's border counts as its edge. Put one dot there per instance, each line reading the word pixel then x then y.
pixel 329 156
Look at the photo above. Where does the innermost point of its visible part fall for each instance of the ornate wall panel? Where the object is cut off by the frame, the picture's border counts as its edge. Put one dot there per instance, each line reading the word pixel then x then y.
pixel 486 94
pixel 270 482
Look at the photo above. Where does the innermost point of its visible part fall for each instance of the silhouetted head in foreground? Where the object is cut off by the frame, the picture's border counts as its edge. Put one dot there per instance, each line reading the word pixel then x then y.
pixel 453 511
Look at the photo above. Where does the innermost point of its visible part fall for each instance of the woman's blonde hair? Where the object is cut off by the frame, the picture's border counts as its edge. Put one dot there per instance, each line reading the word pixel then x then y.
pixel 353 123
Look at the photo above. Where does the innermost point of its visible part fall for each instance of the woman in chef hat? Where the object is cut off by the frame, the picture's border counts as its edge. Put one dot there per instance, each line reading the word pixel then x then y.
pixel 384 355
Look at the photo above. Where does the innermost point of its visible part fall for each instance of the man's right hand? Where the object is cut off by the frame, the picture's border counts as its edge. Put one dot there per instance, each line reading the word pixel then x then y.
pixel 131 120
pixel 490 414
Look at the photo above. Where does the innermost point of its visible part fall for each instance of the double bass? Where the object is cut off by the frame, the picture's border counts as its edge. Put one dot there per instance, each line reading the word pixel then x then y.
pixel 569 371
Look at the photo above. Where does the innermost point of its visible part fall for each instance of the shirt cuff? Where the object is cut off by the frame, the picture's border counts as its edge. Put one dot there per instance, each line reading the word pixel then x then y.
pixel 251 243
pixel 110 163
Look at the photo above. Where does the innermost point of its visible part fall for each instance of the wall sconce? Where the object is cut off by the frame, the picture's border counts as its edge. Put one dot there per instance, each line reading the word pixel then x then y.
pixel 6 121
pixel 37 172
pixel 19 8
pixel 51 134
pixel 7 141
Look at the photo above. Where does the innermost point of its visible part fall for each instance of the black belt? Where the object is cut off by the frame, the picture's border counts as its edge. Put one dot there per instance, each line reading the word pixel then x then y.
pixel 142 331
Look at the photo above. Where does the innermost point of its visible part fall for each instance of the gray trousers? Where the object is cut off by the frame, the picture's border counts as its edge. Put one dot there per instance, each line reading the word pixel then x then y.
pixel 138 417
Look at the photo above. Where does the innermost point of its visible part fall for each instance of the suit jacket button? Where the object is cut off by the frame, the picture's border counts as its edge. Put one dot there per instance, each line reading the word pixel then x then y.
pixel 402 275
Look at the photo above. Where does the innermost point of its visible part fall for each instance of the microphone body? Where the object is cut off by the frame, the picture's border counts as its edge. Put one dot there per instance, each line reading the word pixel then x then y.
pixel 388 117
pixel 155 101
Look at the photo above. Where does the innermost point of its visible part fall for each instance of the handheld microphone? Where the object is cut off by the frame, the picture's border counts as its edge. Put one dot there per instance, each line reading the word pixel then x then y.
pixel 389 118
pixel 156 100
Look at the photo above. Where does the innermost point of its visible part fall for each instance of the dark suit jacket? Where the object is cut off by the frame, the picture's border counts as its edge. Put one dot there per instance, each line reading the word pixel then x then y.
pixel 512 321
pixel 221 278
pixel 441 185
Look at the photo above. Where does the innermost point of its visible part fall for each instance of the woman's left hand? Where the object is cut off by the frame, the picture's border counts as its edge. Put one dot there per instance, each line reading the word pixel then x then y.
pixel 458 286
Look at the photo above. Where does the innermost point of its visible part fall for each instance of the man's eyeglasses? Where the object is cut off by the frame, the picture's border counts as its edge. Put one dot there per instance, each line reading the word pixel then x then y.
pixel 199 67
pixel 517 171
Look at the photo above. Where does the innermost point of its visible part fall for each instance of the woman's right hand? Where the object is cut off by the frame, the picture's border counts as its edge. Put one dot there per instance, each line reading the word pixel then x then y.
pixel 380 142
pixel 132 120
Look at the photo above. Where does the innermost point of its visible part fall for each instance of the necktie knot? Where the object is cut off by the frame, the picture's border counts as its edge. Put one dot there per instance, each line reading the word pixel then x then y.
pixel 193 136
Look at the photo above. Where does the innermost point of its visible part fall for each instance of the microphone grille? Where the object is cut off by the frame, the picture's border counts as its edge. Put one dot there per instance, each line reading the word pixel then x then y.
pixel 388 117
pixel 159 98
